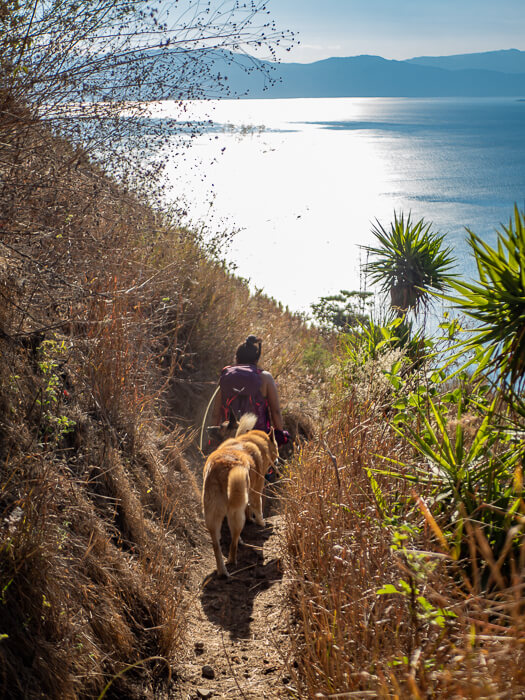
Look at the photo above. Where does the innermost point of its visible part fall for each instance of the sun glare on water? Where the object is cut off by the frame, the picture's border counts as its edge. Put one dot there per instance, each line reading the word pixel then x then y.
pixel 303 180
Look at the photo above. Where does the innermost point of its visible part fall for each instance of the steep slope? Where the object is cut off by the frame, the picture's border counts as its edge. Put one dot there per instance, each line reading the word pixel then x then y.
pixel 114 324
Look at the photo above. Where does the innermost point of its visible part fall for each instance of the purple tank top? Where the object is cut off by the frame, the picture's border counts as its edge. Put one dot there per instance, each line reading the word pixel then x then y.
pixel 241 393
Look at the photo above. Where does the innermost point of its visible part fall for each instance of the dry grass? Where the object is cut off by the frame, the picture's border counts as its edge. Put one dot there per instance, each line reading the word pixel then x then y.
pixel 114 325
pixel 348 536
pixel 91 567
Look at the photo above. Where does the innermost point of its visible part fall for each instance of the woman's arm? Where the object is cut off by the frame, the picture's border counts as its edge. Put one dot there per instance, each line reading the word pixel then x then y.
pixel 273 402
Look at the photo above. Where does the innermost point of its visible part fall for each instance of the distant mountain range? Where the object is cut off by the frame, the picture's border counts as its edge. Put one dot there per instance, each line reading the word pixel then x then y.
pixel 509 61
pixel 491 74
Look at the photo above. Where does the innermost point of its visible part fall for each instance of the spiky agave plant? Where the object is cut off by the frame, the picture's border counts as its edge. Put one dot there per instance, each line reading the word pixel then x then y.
pixel 497 301
pixel 410 263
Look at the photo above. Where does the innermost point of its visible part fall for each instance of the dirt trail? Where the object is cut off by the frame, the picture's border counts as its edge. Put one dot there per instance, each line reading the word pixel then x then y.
pixel 237 634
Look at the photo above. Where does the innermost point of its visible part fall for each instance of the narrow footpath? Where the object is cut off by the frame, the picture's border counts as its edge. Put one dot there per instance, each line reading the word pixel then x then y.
pixel 237 634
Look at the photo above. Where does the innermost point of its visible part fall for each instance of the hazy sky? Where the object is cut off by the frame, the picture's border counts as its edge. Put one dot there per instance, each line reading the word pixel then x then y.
pixel 399 28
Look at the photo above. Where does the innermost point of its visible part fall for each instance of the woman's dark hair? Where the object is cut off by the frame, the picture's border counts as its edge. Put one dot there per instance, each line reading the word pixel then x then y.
pixel 249 352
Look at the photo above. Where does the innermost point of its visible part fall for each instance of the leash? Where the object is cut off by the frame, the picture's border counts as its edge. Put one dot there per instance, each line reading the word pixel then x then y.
pixel 206 415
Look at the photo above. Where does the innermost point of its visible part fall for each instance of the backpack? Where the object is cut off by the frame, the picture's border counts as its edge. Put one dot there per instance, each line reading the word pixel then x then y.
pixel 241 393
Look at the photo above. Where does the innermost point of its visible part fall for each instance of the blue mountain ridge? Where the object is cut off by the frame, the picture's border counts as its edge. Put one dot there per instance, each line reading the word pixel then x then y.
pixel 193 74
pixel 506 61
pixel 374 76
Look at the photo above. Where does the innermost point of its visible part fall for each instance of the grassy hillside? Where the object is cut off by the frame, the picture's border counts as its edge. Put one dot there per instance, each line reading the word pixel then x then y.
pixel 404 549
pixel 114 324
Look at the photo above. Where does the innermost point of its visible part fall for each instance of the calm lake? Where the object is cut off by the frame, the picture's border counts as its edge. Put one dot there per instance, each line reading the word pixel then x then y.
pixel 302 180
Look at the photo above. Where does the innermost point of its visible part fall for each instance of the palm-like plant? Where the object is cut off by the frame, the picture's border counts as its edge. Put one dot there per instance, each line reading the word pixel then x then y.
pixel 470 469
pixel 410 263
pixel 497 301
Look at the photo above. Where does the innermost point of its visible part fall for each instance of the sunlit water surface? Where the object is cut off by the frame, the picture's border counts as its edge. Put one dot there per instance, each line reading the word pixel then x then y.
pixel 304 179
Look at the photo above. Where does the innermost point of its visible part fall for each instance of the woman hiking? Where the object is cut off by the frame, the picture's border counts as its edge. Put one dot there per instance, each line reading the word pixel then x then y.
pixel 245 388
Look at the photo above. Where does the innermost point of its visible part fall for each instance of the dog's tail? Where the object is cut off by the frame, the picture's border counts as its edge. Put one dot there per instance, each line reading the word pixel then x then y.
pixel 238 486
pixel 246 423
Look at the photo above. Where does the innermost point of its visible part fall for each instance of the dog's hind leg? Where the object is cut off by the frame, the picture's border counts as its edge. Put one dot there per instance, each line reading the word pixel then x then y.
pixel 256 493
pixel 236 520
pixel 238 490
pixel 213 516
pixel 215 540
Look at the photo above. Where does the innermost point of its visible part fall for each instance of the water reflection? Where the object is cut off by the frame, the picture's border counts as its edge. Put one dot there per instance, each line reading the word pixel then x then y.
pixel 305 188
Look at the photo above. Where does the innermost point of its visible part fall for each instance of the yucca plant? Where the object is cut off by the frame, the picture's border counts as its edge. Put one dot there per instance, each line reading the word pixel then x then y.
pixel 497 302
pixel 410 262
pixel 470 470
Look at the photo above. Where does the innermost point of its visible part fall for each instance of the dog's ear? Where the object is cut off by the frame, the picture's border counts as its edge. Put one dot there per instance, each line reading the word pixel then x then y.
pixel 215 438
pixel 214 431
pixel 233 423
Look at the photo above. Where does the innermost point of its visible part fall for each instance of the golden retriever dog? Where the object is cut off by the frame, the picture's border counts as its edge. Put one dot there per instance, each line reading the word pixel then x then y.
pixel 233 484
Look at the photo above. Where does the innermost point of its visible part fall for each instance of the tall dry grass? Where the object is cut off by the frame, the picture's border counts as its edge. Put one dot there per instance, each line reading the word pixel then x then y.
pixel 114 325
pixel 379 607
